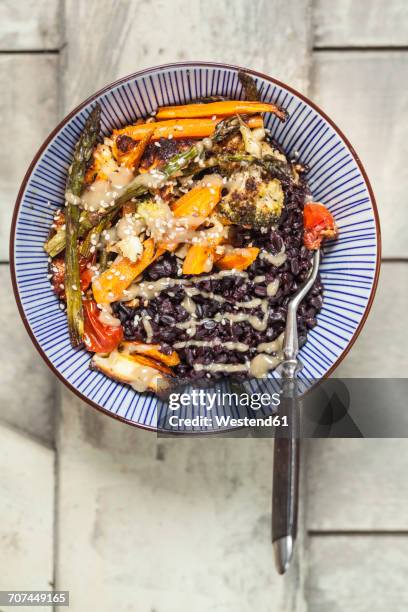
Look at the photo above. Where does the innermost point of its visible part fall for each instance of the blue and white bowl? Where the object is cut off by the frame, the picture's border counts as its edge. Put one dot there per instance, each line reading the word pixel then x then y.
pixel 337 178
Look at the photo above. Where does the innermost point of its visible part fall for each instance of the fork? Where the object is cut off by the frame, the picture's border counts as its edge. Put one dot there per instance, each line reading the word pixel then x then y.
pixel 285 492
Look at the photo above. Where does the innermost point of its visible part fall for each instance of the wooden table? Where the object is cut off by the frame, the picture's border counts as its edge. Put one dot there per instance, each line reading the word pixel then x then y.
pixel 127 522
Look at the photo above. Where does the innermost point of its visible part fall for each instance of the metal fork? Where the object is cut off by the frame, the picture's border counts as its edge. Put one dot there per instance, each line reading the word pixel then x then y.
pixel 285 493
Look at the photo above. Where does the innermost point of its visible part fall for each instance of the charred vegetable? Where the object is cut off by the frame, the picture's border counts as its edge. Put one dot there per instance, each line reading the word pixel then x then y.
pixel 226 108
pixel 254 199
pixel 136 370
pixel 75 184
pixel 249 86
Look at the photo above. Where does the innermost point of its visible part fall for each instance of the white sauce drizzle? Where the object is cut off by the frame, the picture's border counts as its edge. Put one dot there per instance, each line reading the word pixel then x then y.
pixel 106 317
pixel 229 346
pixel 258 366
pixel 101 194
pixel 72 199
pixel 148 329
pixel 276 260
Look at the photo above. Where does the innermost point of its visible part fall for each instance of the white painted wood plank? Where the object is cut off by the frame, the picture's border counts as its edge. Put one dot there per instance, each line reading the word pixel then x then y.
pixel 28 404
pixel 26 513
pixel 358 574
pixel 364 93
pixel 361 484
pixel 117 38
pixel 167 523
pixel 380 350
pixel 31 25
pixel 28 112
pixel 357 485
pixel 368 23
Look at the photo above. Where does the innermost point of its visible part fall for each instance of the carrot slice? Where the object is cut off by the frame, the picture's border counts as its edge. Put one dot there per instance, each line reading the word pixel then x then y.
pixel 109 286
pixel 224 109
pixel 133 157
pixel 153 351
pixel 179 128
pixel 198 259
pixel 238 259
pixel 199 201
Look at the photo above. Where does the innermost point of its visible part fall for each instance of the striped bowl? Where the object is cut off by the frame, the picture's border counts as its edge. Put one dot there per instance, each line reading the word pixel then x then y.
pixel 350 264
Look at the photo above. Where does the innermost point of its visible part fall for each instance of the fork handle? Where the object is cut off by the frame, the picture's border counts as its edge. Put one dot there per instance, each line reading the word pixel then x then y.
pixel 285 493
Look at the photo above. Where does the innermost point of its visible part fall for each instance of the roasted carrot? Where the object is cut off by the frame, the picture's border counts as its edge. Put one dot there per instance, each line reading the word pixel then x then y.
pixel 131 158
pixel 224 108
pixel 198 259
pixel 199 201
pixel 179 128
pixel 238 259
pixel 109 286
pixel 153 351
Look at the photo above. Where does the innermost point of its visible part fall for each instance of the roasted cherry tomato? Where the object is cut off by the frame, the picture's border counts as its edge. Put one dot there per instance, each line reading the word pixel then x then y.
pixel 85 278
pixel 58 275
pixel 318 224
pixel 98 337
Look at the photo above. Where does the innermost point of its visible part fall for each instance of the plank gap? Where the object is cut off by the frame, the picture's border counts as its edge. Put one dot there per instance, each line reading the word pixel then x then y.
pixel 30 51
pixel 356 532
pixel 363 48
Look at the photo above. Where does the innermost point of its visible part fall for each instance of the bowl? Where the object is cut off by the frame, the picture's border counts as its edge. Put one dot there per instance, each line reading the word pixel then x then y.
pixel 336 177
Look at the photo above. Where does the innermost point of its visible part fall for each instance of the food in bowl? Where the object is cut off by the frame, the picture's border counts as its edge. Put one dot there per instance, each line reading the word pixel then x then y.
pixel 182 239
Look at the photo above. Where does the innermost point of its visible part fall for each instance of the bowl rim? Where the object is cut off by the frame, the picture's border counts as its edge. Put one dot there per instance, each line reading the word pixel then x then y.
pixel 89 100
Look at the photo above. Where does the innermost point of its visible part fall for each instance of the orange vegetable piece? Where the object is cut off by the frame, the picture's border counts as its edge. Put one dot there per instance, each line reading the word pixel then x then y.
pixel 153 351
pixel 318 224
pixel 131 158
pixel 198 259
pixel 224 108
pixel 199 201
pixel 109 286
pixel 238 259
pixel 179 128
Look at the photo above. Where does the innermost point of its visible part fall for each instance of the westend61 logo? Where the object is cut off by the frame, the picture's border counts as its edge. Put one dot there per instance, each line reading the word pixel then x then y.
pixel 215 402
